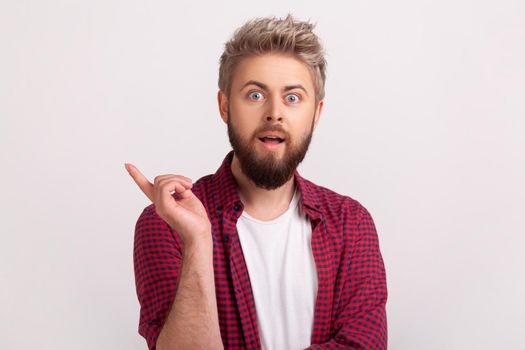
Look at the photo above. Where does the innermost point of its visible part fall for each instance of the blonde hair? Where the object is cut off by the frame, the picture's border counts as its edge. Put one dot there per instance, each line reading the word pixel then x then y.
pixel 273 35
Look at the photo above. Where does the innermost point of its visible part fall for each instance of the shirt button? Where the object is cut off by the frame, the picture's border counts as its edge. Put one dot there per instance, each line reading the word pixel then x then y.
pixel 237 207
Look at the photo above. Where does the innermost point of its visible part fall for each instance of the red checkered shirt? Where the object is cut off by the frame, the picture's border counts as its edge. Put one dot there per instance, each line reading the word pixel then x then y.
pixel 350 303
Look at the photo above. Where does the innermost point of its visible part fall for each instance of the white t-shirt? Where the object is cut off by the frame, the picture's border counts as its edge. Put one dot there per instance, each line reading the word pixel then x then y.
pixel 283 276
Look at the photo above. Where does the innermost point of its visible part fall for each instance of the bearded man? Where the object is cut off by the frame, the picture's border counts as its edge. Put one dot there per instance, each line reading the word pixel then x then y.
pixel 255 256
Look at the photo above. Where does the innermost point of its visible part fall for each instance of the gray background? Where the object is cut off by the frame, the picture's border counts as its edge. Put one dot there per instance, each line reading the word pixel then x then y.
pixel 423 124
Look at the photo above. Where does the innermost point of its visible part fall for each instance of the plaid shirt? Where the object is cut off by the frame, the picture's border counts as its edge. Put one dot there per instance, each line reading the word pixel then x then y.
pixel 350 304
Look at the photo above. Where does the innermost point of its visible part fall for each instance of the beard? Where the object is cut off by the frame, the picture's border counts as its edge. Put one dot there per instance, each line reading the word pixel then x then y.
pixel 268 171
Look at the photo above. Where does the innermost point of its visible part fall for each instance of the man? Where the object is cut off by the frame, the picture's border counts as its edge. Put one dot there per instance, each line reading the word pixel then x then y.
pixel 256 256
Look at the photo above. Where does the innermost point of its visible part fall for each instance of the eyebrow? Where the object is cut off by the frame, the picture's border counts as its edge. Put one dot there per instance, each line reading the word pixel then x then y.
pixel 265 87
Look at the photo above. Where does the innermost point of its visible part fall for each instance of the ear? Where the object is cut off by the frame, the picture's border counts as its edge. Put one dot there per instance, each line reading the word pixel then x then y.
pixel 318 112
pixel 222 101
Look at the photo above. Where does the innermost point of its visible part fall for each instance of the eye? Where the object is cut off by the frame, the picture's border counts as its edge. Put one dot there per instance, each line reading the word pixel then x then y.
pixel 255 95
pixel 293 98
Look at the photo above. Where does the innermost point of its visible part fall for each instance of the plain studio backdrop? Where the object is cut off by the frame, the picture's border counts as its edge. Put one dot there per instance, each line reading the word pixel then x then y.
pixel 422 124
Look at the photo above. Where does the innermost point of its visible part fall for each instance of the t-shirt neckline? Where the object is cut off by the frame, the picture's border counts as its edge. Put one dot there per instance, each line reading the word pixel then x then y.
pixel 293 204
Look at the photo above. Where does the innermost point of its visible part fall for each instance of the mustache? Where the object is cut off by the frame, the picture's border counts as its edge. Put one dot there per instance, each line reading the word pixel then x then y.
pixel 272 128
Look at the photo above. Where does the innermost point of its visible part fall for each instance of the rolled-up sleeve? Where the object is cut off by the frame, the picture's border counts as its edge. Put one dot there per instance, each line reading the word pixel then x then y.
pixel 157 260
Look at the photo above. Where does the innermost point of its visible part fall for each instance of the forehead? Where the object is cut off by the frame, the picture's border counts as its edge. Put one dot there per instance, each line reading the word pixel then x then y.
pixel 274 70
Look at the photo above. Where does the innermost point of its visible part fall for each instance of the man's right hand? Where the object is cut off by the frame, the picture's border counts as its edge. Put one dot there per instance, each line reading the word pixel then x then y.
pixel 186 215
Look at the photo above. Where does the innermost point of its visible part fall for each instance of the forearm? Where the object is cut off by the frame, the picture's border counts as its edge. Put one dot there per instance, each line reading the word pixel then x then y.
pixel 193 321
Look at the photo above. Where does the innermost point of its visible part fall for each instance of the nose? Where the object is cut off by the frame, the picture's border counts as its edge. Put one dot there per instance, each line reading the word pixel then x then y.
pixel 275 109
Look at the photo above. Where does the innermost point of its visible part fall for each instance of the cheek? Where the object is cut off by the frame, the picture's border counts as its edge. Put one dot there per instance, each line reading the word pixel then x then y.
pixel 246 125
pixel 298 138
pixel 243 128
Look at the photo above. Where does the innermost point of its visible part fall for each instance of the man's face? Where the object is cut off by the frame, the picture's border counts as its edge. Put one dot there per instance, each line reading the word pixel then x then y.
pixel 271 115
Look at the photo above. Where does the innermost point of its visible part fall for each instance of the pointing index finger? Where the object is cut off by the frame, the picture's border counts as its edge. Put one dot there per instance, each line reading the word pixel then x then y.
pixel 140 180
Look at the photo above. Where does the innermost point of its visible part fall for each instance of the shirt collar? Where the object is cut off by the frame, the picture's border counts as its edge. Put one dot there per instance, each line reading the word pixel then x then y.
pixel 226 195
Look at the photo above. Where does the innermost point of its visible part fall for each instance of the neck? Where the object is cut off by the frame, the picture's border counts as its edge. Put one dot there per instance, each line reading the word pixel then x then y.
pixel 259 202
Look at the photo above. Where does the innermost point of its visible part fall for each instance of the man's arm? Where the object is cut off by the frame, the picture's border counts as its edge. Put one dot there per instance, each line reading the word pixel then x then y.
pixel 184 317
pixel 175 287
pixel 193 321
pixel 361 322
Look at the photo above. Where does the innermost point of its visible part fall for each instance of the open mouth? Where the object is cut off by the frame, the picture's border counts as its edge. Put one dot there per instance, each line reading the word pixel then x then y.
pixel 271 140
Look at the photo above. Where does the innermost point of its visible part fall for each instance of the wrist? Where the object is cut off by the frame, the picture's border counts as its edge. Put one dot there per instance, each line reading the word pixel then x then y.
pixel 199 244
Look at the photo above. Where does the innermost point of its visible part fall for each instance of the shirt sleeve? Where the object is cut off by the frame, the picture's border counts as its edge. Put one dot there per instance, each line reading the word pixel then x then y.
pixel 157 260
pixel 361 320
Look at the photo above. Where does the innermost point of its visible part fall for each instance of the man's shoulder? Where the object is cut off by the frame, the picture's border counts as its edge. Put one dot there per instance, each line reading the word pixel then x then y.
pixel 203 183
pixel 203 188
pixel 334 203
